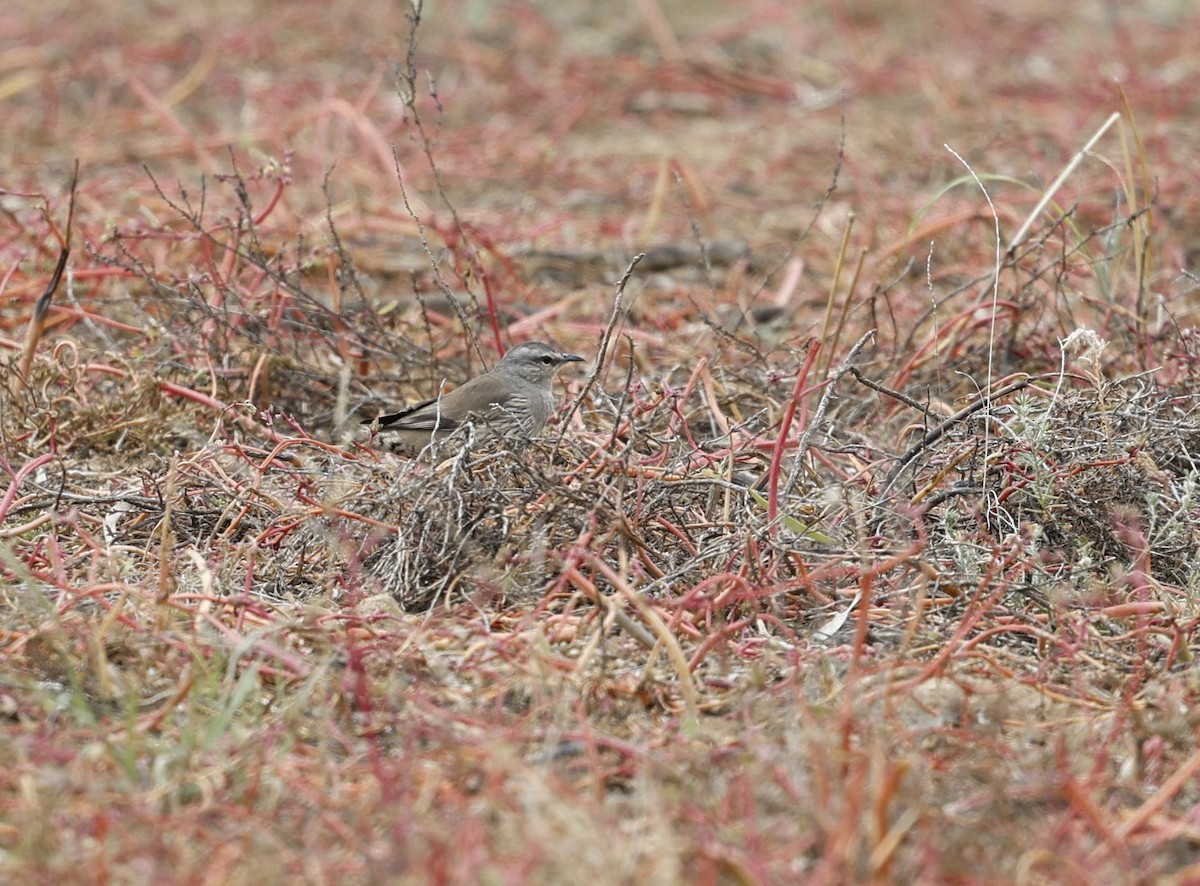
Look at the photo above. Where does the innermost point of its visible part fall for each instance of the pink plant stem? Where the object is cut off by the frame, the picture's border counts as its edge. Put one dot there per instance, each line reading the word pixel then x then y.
pixel 785 425
pixel 19 478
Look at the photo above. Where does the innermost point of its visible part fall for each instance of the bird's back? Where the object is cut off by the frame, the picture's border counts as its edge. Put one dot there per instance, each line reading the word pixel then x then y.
pixel 512 401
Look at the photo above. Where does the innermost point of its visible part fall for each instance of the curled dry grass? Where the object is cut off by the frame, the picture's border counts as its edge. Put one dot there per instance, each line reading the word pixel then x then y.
pixel 246 611
pixel 781 600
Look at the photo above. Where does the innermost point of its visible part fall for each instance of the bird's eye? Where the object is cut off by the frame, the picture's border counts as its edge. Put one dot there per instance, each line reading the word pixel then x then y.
pixel 547 360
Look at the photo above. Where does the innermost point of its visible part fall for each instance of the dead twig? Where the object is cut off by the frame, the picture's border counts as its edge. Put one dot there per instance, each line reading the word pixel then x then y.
pixel 37 322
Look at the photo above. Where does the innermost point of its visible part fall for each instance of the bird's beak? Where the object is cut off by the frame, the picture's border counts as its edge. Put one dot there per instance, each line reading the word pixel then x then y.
pixel 570 358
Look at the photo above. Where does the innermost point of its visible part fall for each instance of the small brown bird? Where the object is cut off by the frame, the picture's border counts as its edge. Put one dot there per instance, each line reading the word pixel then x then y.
pixel 513 400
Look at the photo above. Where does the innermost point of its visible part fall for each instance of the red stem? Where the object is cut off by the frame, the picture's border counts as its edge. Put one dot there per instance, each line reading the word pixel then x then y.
pixel 784 426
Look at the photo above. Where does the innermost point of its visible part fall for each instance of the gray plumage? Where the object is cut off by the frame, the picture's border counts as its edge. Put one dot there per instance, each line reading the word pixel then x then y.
pixel 513 400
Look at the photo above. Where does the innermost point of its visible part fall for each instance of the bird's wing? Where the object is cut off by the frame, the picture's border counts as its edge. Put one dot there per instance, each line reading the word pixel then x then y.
pixel 423 416
pixel 448 412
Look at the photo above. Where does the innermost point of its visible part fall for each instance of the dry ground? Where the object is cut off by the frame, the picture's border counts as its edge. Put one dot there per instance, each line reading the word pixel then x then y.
pixel 865 550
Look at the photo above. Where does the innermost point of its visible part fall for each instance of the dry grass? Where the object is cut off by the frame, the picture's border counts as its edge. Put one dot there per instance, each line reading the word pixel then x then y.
pixel 856 559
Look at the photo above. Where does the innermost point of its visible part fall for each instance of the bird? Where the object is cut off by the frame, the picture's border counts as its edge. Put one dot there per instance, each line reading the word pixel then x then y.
pixel 512 400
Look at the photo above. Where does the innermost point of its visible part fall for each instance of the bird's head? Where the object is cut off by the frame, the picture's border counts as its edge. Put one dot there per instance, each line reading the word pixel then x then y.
pixel 535 361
